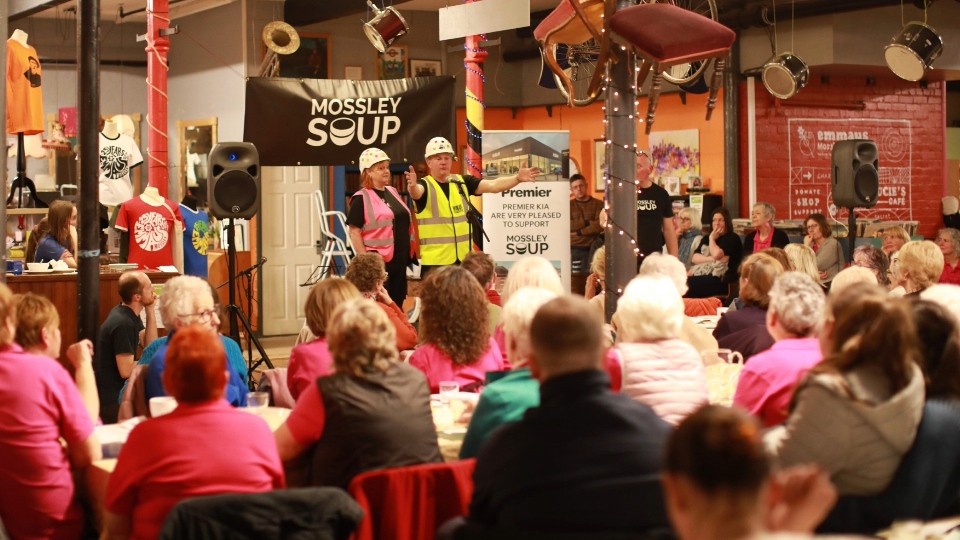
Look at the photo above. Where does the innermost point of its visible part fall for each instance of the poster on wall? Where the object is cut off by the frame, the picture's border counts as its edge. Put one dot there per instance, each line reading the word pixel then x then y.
pixel 532 218
pixel 811 161
pixel 675 156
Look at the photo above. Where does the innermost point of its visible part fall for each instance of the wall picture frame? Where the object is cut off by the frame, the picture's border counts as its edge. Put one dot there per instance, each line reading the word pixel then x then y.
pixel 353 73
pixel 310 61
pixel 599 164
pixel 393 63
pixel 425 68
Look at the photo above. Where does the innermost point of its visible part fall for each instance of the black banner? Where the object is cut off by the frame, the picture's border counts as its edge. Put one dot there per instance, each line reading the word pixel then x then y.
pixel 330 122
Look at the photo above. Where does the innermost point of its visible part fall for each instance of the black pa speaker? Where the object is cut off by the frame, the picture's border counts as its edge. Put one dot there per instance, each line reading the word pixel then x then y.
pixel 856 177
pixel 233 182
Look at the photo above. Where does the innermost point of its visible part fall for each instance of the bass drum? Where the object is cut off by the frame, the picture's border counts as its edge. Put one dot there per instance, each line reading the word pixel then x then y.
pixel 913 51
pixel 785 75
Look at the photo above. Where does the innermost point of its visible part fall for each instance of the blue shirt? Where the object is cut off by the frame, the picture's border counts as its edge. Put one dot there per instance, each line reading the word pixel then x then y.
pixel 153 386
pixel 195 241
pixel 48 249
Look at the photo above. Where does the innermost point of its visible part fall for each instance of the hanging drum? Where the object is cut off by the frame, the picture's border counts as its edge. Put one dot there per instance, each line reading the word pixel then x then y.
pixel 385 27
pixel 913 50
pixel 785 75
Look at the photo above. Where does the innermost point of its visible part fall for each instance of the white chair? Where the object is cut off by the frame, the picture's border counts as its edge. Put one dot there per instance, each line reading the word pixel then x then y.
pixel 333 245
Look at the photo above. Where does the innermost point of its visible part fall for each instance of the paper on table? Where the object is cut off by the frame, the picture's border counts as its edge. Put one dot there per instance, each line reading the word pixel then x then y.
pixel 167 268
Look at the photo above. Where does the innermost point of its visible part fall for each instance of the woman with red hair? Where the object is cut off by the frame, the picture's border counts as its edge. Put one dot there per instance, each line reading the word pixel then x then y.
pixel 203 447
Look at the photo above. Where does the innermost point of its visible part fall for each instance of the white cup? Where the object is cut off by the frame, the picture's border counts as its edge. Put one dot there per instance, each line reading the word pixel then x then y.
pixel 721 310
pixel 162 405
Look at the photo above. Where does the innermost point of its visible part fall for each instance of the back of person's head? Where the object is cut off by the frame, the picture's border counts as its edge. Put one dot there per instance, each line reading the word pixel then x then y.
pixel 874 259
pixel 33 241
pixel 849 276
pixel 598 265
pixel 8 316
pixel 516 317
pixel 323 298
pixel 803 259
pixel 650 309
pixel 657 264
pixel 179 295
pixel 361 338
pixel 780 255
pixel 481 266
pixel 455 317
pixel 566 336
pixel 58 217
pixel 921 263
pixel 939 342
pixel 365 270
pixel 797 302
pixel 128 285
pixel 196 365
pixel 863 327
pixel 531 271
pixel 35 313
pixel 945 294
pixel 757 274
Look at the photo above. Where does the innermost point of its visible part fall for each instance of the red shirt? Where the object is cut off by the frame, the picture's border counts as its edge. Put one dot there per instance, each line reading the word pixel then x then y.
pixel 493 297
pixel 950 275
pixel 150 228
pixel 39 404
pixel 759 244
pixel 199 449
pixel 308 362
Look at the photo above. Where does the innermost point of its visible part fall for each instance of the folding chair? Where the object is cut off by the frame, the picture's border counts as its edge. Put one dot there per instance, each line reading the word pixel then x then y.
pixel 333 245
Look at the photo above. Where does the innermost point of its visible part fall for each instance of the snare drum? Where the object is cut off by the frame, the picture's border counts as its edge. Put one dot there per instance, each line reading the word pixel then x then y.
pixel 385 28
pixel 785 75
pixel 913 51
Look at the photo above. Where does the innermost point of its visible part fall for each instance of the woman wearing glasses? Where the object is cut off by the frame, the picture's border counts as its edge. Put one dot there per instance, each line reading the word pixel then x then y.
pixel 187 300
pixel 820 238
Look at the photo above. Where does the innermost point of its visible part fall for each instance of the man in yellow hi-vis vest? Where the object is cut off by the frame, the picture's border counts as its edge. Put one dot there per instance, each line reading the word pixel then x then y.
pixel 442 225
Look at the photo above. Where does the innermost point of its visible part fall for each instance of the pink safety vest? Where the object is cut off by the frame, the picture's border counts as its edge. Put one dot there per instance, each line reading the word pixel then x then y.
pixel 377 231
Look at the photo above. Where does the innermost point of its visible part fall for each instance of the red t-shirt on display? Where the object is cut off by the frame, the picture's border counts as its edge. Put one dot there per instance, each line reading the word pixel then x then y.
pixel 198 449
pixel 150 229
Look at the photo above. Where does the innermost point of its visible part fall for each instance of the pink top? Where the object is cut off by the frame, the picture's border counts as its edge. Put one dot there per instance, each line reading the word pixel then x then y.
pixel 208 448
pixel 308 362
pixel 308 418
pixel 38 405
pixel 769 378
pixel 438 367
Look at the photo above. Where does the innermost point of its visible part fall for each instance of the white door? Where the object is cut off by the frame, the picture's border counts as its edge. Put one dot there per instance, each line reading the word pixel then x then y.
pixel 291 227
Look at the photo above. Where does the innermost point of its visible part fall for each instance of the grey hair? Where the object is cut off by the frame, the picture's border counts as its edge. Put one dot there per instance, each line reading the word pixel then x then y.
pixel 517 315
pixel 954 237
pixel 946 295
pixel 178 296
pixel 531 271
pixel 797 301
pixel 659 265
pixel 696 222
pixel 849 276
pixel 650 310
pixel 768 209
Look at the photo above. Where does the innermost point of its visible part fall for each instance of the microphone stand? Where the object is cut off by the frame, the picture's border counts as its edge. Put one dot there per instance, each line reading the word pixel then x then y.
pixel 473 215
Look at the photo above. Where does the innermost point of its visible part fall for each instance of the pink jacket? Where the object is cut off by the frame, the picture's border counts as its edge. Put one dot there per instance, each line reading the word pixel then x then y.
pixel 437 366
pixel 666 375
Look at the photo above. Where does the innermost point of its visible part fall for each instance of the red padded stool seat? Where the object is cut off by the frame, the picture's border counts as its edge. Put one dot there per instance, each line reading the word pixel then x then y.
pixel 668 33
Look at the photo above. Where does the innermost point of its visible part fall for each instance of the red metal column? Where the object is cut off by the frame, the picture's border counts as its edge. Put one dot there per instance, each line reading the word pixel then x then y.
pixel 473 63
pixel 158 20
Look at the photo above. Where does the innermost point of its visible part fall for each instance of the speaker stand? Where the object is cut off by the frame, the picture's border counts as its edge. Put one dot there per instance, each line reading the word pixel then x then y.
pixel 235 313
pixel 851 231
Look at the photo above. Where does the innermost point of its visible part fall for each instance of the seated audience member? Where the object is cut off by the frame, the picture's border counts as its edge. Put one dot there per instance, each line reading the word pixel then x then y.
pixel 716 259
pixel 920 266
pixel 483 268
pixel 856 413
pixel 946 295
pixel 949 242
pixel 829 253
pixel 60 241
pixel 508 398
pixel 203 447
pixel 893 239
pixel 530 271
pixel 718 484
pixel 659 369
pixel 803 260
pixel 456 345
pixel 598 277
pixel 38 332
pixel 33 241
pixel 372 413
pixel 874 259
pixel 366 272
pixel 895 288
pixel 186 301
pixel 585 460
pixel 745 330
pixel 793 318
pixel 689 232
pixel 849 276
pixel 39 407
pixel 938 334
pixel 764 234
pixel 311 360
pixel 781 256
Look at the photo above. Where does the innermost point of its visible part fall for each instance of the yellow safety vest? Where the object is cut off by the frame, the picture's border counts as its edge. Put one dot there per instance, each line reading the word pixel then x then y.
pixel 443 226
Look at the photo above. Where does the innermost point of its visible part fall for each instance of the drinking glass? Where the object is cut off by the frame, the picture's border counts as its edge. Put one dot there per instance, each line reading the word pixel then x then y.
pixel 447 390
pixel 258 400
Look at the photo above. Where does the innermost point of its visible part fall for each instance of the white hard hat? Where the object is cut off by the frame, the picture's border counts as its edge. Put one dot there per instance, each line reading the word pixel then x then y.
pixel 370 157
pixel 439 145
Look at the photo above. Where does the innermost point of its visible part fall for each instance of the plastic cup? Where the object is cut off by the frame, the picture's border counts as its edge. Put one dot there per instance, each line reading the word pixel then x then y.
pixel 258 400
pixel 447 390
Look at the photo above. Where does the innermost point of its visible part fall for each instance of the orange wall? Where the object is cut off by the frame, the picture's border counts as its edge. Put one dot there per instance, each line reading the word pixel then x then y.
pixel 586 124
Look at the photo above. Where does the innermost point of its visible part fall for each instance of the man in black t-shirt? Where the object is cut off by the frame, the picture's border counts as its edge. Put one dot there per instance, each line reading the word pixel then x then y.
pixel 654 214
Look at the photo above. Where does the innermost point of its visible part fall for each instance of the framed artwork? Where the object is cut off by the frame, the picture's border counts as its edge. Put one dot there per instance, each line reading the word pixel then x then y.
pixel 310 61
pixel 393 63
pixel 425 68
pixel 599 163
pixel 353 73
pixel 675 154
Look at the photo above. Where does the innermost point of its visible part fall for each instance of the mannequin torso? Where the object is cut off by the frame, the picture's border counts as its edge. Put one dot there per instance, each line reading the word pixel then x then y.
pixel 151 196
pixel 110 130
pixel 20 37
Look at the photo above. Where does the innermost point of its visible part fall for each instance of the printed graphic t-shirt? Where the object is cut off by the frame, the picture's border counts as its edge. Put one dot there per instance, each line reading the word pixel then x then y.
pixel 117 159
pixel 653 205
pixel 149 228
pixel 195 241
pixel 24 96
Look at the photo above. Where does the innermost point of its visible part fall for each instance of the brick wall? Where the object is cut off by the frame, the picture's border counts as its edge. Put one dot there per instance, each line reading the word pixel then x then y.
pixel 794 142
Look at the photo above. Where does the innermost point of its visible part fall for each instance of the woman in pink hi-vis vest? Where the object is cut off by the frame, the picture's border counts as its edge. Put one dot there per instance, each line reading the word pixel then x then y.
pixel 381 222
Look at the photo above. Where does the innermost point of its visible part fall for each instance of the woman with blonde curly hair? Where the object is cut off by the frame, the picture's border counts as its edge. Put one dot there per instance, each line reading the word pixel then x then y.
pixel 455 342
pixel 373 413
pixel 949 242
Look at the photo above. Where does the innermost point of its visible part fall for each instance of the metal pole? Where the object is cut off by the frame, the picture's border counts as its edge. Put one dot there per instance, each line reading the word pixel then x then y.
pixel 621 156
pixel 4 13
pixel 731 132
pixel 88 256
pixel 158 43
